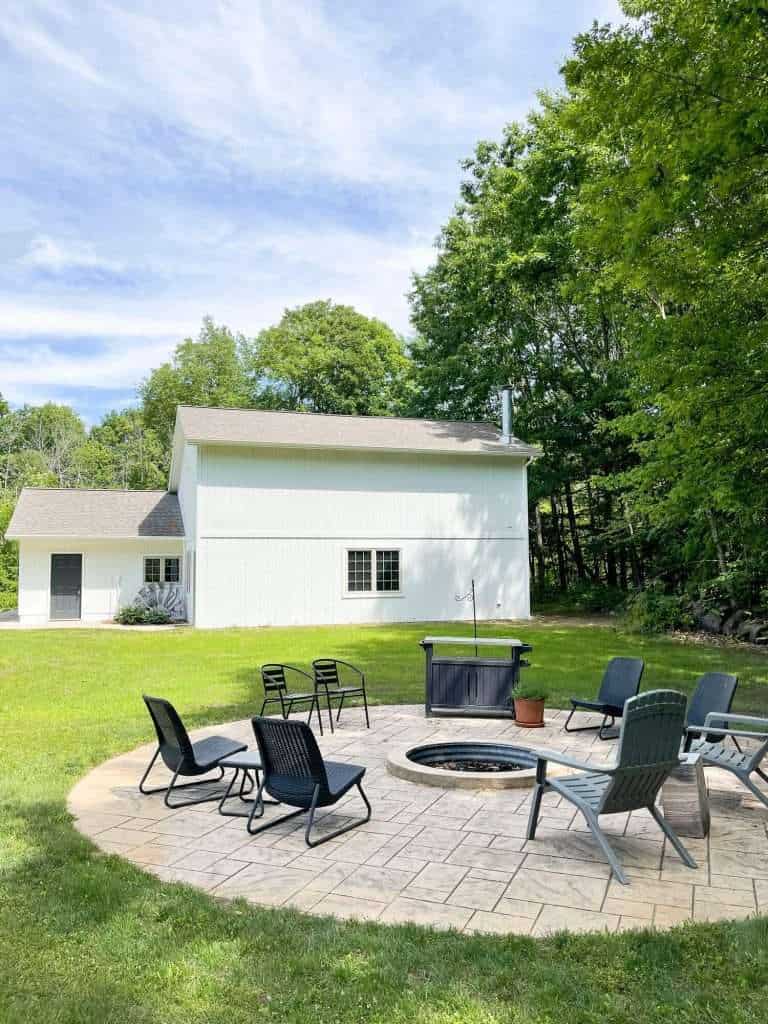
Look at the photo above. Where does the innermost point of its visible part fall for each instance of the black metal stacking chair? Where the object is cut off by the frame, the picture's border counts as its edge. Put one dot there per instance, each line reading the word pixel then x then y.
pixel 276 691
pixel 621 681
pixel 714 693
pixel 181 756
pixel 649 748
pixel 328 681
pixel 294 773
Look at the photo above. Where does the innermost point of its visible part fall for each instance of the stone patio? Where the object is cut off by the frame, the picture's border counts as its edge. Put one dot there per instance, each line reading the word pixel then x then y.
pixel 440 857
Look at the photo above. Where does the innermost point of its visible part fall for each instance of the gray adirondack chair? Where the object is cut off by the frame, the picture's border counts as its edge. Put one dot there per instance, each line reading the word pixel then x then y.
pixel 621 680
pixel 648 749
pixel 743 764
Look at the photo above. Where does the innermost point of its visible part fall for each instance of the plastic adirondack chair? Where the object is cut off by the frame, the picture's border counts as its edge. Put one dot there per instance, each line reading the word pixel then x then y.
pixel 648 750
pixel 743 764
pixel 714 693
pixel 621 681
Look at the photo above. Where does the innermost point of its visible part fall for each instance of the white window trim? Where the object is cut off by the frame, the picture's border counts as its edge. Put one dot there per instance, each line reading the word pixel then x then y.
pixel 162 583
pixel 368 595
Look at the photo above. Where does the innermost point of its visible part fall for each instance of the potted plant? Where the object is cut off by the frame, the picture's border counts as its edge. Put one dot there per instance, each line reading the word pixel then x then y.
pixel 529 705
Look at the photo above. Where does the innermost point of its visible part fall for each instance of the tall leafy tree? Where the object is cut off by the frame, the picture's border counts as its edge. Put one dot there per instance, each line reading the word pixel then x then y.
pixel 324 357
pixel 207 371
pixel 673 114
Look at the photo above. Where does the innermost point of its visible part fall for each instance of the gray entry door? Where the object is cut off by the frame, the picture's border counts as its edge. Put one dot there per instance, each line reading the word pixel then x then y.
pixel 66 586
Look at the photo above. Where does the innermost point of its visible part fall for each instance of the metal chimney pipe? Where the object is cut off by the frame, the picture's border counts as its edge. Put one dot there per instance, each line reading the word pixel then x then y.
pixel 506 415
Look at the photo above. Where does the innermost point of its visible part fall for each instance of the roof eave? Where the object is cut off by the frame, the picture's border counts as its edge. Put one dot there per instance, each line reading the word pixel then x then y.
pixel 523 452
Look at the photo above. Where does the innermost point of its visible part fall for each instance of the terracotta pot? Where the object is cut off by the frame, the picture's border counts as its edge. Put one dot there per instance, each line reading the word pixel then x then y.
pixel 529 714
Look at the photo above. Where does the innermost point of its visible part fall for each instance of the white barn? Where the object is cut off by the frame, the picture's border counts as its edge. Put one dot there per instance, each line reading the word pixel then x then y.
pixel 276 518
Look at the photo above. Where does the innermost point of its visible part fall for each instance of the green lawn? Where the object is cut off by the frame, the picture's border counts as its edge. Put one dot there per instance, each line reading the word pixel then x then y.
pixel 88 938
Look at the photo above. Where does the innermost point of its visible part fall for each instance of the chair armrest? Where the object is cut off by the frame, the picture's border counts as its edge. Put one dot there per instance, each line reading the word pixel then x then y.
pixel 353 667
pixel 727 732
pixel 725 716
pixel 300 671
pixel 569 762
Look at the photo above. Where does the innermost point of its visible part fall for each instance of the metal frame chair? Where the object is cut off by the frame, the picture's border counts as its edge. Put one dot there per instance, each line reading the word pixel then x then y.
pixel 621 680
pixel 648 750
pixel 714 693
pixel 276 691
pixel 294 773
pixel 181 756
pixel 326 672
pixel 741 764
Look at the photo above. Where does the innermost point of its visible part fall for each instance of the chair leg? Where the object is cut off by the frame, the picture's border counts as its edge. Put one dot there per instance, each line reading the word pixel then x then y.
pixel 365 706
pixel 339 831
pixel 330 710
pixel 605 846
pixel 672 836
pixel 753 788
pixel 341 705
pixel 533 817
pixel 259 802
pixel 610 735
pixel 580 728
pixel 174 786
pixel 315 703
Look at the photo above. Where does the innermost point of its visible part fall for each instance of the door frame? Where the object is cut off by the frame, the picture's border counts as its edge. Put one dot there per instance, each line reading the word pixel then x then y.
pixel 79 616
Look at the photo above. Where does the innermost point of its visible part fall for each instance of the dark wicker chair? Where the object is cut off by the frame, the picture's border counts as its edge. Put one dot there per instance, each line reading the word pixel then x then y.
pixel 621 681
pixel 714 693
pixel 328 681
pixel 276 691
pixel 294 773
pixel 181 756
pixel 649 748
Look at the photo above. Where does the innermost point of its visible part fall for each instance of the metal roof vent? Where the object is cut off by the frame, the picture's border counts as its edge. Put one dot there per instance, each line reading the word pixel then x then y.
pixel 506 416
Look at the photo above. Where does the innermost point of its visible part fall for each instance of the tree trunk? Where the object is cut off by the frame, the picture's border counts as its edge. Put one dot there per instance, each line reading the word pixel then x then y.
pixel 542 570
pixel 562 569
pixel 578 558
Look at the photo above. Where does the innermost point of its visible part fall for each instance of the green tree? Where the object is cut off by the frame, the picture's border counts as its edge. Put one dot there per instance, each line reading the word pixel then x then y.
pixel 208 371
pixel 123 452
pixel 324 357
pixel 673 112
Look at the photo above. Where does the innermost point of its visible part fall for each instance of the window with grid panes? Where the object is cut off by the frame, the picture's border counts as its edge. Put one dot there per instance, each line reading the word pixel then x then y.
pixel 358 571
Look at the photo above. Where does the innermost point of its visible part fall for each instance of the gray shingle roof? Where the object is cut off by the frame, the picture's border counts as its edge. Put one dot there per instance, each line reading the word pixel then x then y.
pixel 95 514
pixel 311 430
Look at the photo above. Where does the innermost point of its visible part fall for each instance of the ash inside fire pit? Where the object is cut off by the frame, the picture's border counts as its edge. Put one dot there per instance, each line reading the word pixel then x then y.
pixel 472 757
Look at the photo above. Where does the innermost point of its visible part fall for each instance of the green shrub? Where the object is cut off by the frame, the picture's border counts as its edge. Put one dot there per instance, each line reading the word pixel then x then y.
pixel 135 615
pixel 652 611
pixel 8 599
pixel 587 597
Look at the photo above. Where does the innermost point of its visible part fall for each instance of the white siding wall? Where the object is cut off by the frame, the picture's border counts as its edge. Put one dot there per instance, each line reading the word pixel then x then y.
pixel 273 529
pixel 187 495
pixel 112 574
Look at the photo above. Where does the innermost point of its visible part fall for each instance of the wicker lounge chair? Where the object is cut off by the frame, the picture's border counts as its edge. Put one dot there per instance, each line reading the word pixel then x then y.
pixel 181 756
pixel 648 750
pixel 621 681
pixel 714 693
pixel 294 773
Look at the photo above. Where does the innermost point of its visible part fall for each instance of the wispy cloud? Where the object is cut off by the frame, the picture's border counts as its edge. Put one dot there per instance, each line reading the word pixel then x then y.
pixel 164 161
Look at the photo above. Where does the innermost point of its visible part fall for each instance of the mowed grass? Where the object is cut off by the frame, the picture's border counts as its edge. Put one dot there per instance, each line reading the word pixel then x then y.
pixel 89 938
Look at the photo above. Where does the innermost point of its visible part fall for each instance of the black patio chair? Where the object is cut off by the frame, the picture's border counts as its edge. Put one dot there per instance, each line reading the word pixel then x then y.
pixel 714 693
pixel 328 680
pixel 276 691
pixel 621 680
pixel 294 773
pixel 181 756
pixel 649 748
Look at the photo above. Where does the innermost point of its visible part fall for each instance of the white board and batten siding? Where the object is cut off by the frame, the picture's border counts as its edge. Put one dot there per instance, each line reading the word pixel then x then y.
pixel 112 574
pixel 272 528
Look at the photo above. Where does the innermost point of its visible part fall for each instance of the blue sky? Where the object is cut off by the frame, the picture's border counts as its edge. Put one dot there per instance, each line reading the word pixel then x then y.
pixel 164 161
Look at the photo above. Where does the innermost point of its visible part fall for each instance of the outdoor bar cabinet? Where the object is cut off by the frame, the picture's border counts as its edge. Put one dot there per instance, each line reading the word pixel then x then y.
pixel 472 684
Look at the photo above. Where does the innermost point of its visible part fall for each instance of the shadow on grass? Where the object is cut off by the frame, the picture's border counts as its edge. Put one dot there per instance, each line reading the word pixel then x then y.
pixel 90 938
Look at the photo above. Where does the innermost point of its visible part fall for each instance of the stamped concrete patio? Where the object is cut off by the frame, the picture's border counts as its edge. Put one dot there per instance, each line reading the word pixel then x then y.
pixel 435 856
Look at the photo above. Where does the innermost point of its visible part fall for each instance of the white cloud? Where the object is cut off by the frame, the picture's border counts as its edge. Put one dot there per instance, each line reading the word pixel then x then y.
pixel 47 254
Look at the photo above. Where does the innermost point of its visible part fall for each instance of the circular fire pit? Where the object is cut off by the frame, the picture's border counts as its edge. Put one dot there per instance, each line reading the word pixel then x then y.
pixel 465 765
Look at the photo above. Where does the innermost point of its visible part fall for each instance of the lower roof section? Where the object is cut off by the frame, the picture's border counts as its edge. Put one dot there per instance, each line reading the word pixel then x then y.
pixel 95 514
